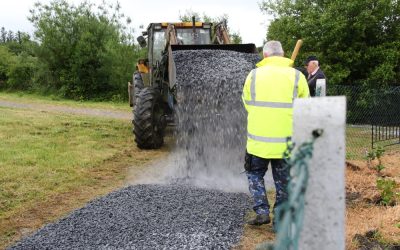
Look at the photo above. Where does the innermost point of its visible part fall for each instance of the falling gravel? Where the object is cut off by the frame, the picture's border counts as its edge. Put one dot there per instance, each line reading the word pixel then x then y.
pixel 211 131
pixel 148 217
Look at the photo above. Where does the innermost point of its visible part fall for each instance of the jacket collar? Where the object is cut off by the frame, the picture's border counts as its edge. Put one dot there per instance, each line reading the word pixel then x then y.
pixel 275 61
pixel 315 71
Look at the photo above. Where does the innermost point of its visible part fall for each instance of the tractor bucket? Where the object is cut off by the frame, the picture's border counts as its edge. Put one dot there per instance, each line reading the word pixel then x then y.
pixel 243 48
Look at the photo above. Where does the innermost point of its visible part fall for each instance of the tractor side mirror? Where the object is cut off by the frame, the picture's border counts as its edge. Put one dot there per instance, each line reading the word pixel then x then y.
pixel 142 41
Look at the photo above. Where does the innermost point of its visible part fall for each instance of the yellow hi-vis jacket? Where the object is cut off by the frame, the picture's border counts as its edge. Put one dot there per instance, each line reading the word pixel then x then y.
pixel 268 96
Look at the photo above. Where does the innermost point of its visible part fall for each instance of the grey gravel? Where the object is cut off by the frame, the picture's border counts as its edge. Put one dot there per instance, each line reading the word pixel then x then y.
pixel 148 217
pixel 211 135
pixel 211 132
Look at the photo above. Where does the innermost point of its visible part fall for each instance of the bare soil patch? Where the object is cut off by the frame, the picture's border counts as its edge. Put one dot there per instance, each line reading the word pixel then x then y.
pixel 368 223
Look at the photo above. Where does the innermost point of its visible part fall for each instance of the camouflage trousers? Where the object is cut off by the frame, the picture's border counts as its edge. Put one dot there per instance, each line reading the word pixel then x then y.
pixel 255 175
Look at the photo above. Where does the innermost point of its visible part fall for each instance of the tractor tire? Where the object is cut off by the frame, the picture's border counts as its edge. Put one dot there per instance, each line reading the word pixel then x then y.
pixel 148 119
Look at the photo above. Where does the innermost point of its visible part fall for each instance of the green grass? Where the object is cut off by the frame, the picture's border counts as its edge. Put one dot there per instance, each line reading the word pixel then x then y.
pixel 358 138
pixel 358 142
pixel 23 97
pixel 44 154
pixel 54 162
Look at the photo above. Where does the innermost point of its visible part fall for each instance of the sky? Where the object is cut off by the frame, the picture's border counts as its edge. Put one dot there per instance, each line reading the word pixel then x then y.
pixel 245 16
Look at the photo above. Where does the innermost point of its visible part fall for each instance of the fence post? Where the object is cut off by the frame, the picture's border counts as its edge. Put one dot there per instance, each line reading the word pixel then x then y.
pixel 372 136
pixel 324 213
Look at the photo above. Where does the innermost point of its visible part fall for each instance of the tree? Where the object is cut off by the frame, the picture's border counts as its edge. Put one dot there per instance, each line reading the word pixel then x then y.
pixel 87 51
pixel 356 41
pixel 21 42
pixel 7 58
pixel 21 73
pixel 10 36
pixel 236 38
pixel 3 34
pixel 189 14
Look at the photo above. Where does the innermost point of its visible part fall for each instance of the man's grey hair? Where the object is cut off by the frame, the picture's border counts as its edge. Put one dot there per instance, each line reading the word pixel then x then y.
pixel 315 62
pixel 273 48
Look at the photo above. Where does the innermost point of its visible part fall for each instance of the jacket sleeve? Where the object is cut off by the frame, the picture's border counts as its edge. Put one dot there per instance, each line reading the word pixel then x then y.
pixel 304 91
pixel 246 90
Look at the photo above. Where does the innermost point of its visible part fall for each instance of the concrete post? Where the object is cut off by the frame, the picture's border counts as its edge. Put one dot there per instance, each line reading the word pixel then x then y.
pixel 324 213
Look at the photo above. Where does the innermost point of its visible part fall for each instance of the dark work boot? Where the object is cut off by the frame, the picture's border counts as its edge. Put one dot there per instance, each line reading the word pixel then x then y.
pixel 259 220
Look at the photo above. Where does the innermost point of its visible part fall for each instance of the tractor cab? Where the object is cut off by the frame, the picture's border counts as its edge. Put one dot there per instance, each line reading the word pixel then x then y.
pixel 160 35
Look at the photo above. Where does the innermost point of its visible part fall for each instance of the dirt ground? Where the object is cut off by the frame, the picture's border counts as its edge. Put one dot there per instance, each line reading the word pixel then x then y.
pixel 364 212
pixel 368 224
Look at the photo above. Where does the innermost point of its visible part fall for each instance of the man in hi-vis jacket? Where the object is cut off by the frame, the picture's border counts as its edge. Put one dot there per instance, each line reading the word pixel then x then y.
pixel 268 96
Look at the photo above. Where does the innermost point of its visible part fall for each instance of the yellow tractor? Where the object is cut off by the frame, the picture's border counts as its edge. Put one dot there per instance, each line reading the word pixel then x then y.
pixel 153 93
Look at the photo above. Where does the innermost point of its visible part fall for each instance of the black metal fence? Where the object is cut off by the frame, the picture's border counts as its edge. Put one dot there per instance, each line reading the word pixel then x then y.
pixel 373 118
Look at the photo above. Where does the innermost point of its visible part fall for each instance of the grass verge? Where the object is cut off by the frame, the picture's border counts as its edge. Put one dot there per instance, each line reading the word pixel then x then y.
pixel 23 97
pixel 52 163
pixel 358 142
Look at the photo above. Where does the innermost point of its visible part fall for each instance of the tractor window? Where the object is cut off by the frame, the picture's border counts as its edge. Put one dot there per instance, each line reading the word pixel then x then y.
pixel 158 45
pixel 185 36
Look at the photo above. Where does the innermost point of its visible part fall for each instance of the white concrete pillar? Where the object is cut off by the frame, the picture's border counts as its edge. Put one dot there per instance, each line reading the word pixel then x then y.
pixel 324 214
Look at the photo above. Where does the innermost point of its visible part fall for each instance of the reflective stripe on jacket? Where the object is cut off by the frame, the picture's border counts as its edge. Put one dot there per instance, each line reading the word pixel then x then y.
pixel 268 96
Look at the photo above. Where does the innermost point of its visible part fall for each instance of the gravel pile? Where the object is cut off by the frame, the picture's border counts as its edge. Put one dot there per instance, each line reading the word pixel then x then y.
pixel 211 127
pixel 148 217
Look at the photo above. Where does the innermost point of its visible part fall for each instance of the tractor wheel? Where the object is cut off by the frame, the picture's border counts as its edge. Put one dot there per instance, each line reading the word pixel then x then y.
pixel 148 119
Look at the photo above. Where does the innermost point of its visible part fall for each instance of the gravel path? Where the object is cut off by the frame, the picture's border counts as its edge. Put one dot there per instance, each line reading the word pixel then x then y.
pixel 149 217
pixel 210 150
pixel 70 110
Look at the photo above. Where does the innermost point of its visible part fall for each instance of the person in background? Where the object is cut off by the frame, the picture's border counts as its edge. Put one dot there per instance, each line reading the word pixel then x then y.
pixel 142 67
pixel 268 95
pixel 314 73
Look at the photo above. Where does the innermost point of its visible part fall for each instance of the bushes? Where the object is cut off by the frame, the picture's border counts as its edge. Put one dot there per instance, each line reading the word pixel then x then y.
pixel 16 71
pixel 6 59
pixel 388 194
pixel 21 72
pixel 83 52
pixel 89 54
